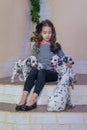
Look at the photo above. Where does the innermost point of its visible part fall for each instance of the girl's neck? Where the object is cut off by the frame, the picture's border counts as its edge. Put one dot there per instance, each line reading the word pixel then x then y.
pixel 44 42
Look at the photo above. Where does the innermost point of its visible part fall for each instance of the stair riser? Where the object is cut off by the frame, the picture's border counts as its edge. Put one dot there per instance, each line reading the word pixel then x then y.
pixel 43 121
pixel 12 94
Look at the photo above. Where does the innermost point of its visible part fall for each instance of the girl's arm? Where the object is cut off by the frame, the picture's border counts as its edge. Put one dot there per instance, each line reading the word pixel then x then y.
pixel 58 50
pixel 60 53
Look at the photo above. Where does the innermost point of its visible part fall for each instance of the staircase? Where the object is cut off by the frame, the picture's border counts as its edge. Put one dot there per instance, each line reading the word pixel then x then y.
pixel 40 118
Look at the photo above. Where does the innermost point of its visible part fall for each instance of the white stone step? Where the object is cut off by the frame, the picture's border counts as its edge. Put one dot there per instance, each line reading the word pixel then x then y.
pixel 42 121
pixel 12 94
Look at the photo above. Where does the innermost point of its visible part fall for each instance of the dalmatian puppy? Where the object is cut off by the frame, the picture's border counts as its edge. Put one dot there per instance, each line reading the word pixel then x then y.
pixel 23 67
pixel 61 95
pixel 60 66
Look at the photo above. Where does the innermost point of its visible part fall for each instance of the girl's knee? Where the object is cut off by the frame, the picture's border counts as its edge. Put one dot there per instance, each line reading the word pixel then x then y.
pixel 33 70
pixel 41 70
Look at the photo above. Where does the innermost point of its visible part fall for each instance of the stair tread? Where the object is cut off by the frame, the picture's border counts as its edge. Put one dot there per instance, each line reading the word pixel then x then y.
pixel 81 80
pixel 41 108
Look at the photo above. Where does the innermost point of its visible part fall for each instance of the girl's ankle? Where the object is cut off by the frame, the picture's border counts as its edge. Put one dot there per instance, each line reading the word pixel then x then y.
pixel 22 102
pixel 33 99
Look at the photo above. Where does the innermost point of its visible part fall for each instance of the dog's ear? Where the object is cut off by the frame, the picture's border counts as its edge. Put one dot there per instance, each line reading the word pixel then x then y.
pixel 28 62
pixel 60 62
pixel 65 59
pixel 71 61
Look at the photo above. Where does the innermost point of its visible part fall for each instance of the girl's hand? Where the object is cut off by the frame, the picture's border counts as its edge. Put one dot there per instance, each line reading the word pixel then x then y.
pixel 68 65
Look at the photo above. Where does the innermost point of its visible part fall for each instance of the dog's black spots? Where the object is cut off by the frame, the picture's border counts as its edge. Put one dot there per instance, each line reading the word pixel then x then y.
pixel 72 62
pixel 70 59
pixel 28 62
pixel 64 85
pixel 55 95
pixel 18 65
pixel 62 99
pixel 62 103
pixel 65 59
pixel 59 77
pixel 64 90
pixel 60 62
pixel 59 92
pixel 33 61
pixel 59 108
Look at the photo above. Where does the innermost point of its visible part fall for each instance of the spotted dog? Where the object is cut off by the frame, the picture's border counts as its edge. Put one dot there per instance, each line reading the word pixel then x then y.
pixel 61 95
pixel 22 68
pixel 59 64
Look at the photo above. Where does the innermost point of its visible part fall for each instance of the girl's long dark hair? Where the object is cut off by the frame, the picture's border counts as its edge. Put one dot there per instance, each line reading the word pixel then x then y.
pixel 38 37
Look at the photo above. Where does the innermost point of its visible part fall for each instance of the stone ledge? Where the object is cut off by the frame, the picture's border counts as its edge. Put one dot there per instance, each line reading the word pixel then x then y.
pixel 43 121
pixel 12 94
pixel 40 119
pixel 41 108
pixel 81 80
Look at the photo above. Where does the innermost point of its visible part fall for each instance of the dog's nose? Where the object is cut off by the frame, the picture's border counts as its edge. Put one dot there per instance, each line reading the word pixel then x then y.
pixel 51 63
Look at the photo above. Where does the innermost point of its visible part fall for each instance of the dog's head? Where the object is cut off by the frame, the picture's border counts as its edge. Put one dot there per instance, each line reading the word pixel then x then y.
pixel 54 60
pixel 32 61
pixel 68 59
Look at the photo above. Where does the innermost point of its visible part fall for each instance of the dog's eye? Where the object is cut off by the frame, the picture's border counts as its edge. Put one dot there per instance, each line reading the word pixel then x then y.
pixel 33 61
pixel 70 59
pixel 55 60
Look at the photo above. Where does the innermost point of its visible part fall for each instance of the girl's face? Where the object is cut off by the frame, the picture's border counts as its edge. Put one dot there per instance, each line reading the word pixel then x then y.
pixel 46 33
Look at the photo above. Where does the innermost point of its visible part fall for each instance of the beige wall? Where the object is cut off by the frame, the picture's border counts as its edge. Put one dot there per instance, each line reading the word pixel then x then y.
pixel 12 29
pixel 68 16
pixel 70 19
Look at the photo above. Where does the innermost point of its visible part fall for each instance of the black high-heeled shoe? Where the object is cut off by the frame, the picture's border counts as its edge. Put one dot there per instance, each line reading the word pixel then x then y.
pixel 19 107
pixel 28 108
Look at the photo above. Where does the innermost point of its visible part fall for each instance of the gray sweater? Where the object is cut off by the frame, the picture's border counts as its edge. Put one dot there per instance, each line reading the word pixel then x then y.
pixel 45 55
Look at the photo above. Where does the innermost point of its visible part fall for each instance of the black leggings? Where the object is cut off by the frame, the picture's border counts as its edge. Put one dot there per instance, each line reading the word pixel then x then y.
pixel 39 78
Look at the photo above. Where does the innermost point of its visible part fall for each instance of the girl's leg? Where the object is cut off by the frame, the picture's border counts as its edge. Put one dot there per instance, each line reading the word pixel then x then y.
pixel 42 77
pixel 38 87
pixel 30 79
pixel 24 97
pixel 28 85
pixel 51 76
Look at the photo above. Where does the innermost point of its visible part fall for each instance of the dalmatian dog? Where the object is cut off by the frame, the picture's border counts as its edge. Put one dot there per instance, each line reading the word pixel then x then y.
pixel 60 66
pixel 61 96
pixel 23 67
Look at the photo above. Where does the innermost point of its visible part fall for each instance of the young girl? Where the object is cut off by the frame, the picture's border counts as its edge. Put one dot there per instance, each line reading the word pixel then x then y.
pixel 45 37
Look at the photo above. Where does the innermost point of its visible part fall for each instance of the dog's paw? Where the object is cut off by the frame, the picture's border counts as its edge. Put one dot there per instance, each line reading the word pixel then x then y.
pixel 20 78
pixel 71 106
pixel 12 80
